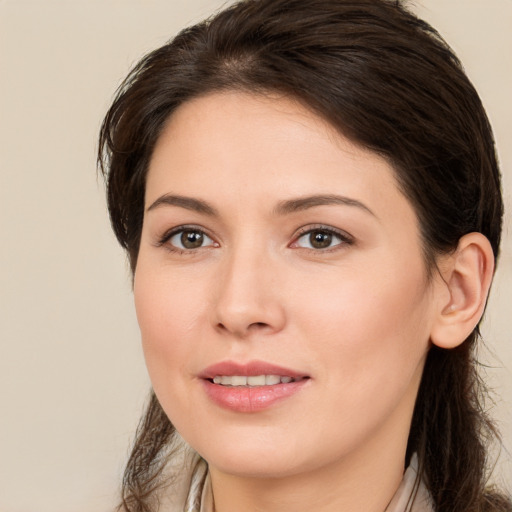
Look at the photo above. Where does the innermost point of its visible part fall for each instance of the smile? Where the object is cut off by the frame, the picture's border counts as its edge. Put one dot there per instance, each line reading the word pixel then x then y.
pixel 251 387
pixel 252 381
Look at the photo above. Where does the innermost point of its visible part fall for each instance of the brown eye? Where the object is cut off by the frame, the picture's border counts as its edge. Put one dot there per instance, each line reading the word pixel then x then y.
pixel 191 239
pixel 188 239
pixel 321 239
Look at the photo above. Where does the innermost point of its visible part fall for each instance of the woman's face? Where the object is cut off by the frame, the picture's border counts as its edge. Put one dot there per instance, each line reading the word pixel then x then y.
pixel 280 289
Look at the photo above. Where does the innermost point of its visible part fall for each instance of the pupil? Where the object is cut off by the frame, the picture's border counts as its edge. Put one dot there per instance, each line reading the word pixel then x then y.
pixel 191 239
pixel 320 239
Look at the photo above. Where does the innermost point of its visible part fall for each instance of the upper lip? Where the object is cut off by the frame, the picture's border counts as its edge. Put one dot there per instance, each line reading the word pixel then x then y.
pixel 249 369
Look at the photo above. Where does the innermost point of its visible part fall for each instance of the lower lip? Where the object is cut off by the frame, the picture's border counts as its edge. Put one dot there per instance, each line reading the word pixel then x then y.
pixel 251 399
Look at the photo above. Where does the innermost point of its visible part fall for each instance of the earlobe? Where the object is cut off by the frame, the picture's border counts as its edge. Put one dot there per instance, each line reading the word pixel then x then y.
pixel 461 296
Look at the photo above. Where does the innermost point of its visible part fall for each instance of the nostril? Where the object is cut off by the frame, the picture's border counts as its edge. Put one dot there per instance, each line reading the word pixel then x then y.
pixel 258 326
pixel 243 330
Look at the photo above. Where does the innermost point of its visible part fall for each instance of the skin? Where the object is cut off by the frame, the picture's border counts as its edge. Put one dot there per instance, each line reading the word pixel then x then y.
pixel 356 317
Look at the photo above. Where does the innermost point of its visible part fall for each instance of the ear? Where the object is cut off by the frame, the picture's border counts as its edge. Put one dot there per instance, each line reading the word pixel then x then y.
pixel 462 290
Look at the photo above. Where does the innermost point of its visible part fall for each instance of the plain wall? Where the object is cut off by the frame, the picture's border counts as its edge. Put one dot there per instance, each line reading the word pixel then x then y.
pixel 72 376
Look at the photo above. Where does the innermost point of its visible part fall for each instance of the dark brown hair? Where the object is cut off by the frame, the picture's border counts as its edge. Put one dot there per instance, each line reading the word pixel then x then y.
pixel 389 82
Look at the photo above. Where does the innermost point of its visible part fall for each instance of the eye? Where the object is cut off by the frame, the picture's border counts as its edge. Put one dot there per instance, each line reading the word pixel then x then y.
pixel 321 238
pixel 188 239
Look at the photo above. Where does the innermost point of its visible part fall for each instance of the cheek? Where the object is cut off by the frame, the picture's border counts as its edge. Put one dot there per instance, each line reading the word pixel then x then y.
pixel 371 327
pixel 170 320
pixel 168 304
pixel 368 338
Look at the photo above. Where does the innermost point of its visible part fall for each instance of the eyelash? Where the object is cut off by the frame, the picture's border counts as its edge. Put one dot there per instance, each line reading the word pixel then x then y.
pixel 168 235
pixel 345 238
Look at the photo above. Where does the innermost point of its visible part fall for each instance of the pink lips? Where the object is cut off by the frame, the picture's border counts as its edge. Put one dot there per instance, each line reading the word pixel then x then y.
pixel 250 399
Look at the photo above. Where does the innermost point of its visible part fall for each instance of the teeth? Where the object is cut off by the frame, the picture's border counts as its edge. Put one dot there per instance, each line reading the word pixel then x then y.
pixel 252 381
pixel 272 379
pixel 256 381
pixel 237 380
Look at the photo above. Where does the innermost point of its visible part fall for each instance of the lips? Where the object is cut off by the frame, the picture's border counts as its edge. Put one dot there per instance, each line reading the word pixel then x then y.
pixel 250 387
pixel 253 368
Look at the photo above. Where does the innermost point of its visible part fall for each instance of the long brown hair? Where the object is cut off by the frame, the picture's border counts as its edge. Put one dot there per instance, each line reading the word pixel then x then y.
pixel 388 81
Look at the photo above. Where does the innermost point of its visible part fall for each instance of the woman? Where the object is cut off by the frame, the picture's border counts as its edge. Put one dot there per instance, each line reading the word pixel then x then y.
pixel 309 197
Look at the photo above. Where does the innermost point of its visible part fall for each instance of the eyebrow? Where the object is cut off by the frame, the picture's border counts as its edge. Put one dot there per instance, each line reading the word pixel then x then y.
pixel 189 203
pixel 283 207
pixel 304 203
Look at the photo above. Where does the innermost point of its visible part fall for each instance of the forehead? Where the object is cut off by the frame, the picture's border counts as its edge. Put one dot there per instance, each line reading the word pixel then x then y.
pixel 259 149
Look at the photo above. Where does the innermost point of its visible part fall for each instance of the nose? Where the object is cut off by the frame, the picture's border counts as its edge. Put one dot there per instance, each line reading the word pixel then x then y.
pixel 248 300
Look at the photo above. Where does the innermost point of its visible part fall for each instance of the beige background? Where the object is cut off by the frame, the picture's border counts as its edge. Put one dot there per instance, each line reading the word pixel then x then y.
pixel 72 378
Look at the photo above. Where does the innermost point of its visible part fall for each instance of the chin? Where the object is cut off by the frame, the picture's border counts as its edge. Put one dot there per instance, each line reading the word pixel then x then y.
pixel 262 456
pixel 261 465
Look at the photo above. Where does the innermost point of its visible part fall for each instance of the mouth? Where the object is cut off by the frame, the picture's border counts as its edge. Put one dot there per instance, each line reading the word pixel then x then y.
pixel 250 387
pixel 253 380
